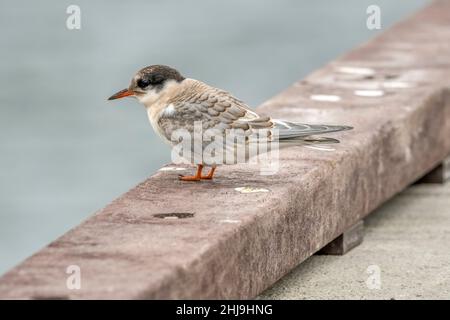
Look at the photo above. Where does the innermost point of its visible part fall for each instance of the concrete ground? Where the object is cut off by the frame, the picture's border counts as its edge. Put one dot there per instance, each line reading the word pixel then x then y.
pixel 405 255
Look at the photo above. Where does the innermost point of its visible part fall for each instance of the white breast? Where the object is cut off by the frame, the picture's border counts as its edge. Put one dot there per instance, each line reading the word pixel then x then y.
pixel 153 117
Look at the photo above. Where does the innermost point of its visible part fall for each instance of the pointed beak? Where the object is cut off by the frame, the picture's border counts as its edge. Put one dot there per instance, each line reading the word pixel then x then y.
pixel 121 94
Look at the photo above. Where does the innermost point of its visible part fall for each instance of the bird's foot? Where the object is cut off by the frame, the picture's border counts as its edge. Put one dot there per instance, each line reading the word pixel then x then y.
pixel 189 178
pixel 198 176
pixel 210 175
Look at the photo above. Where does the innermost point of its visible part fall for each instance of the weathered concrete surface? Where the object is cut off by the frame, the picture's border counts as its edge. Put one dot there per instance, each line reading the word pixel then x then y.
pixel 236 245
pixel 407 239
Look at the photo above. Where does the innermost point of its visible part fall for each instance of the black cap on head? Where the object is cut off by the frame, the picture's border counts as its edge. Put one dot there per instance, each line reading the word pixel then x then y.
pixel 157 75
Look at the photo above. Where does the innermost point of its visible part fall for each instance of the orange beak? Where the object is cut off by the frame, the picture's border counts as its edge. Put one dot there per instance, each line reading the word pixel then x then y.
pixel 121 94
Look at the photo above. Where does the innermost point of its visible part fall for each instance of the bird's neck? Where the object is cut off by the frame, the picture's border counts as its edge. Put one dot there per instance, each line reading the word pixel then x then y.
pixel 170 89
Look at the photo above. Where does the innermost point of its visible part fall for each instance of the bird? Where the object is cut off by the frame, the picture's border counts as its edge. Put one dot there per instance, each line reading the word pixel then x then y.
pixel 174 102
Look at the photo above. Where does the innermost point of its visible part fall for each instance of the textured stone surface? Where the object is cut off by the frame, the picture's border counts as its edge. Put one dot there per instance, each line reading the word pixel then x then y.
pixel 350 239
pixel 234 245
pixel 406 240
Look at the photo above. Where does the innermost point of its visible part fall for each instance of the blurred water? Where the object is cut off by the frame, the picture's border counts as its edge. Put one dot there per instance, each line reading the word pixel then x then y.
pixel 66 152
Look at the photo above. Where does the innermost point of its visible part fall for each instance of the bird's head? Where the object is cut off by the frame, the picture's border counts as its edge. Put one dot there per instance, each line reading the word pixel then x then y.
pixel 148 83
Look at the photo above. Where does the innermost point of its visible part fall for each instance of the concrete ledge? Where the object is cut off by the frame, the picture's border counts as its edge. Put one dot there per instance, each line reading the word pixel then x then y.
pixel 221 243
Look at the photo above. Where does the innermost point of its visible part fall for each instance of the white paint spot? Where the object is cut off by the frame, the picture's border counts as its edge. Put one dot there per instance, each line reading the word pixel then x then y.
pixel 325 97
pixel 396 85
pixel 170 218
pixel 230 221
pixel 172 169
pixel 357 70
pixel 250 190
pixel 369 93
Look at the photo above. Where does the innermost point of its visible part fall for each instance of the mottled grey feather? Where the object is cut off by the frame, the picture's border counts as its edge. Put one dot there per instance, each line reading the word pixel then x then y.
pixel 219 110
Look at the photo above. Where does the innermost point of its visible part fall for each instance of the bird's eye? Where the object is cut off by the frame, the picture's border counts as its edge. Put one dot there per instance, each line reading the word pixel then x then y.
pixel 143 83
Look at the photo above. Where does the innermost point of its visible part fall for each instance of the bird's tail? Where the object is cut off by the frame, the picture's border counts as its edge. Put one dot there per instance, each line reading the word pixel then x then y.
pixel 290 132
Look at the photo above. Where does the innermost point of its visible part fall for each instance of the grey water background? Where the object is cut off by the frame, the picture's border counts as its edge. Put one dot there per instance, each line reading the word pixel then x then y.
pixel 66 152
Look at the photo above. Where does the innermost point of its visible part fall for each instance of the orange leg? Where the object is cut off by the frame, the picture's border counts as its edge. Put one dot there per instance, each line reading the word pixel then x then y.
pixel 210 175
pixel 197 176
